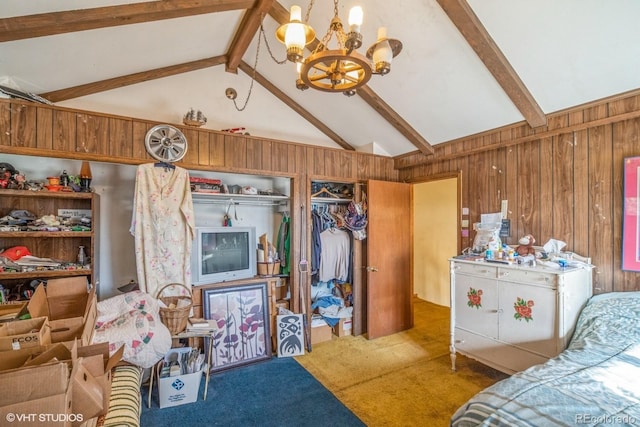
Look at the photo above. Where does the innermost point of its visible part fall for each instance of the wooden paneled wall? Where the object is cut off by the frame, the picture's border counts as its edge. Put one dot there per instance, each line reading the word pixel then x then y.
pixel 28 128
pixel 563 181
pixel 50 131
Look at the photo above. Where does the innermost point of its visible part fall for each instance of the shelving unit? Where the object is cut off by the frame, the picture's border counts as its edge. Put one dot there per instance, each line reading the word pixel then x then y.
pixel 57 245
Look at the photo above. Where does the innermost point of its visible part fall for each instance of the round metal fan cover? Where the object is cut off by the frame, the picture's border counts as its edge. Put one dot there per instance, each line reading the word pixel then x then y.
pixel 165 143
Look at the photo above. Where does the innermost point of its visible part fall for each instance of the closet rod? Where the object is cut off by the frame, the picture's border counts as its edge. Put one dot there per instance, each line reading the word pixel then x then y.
pixel 328 201
pixel 239 202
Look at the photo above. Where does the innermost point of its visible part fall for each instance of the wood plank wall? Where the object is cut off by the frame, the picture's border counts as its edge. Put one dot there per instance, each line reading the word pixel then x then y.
pixel 33 129
pixel 563 181
pixel 49 131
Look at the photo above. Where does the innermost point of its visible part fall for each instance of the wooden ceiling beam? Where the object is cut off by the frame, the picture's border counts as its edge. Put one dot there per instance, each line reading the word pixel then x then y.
pixel 394 119
pixel 47 24
pixel 247 69
pixel 487 50
pixel 249 26
pixel 118 82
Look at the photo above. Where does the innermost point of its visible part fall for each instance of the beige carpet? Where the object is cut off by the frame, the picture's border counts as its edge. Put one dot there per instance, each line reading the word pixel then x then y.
pixel 401 380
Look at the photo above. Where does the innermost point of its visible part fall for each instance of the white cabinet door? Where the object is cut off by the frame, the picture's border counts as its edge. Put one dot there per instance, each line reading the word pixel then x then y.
pixel 476 305
pixel 528 317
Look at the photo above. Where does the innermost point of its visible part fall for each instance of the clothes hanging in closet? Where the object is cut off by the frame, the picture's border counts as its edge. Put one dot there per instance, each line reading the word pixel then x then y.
pixel 316 249
pixel 163 226
pixel 284 244
pixel 336 253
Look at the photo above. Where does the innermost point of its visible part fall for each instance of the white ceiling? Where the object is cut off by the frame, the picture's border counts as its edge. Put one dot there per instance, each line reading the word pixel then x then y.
pixel 565 52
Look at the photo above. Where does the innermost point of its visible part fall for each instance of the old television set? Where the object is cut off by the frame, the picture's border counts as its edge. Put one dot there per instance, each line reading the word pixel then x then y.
pixel 220 254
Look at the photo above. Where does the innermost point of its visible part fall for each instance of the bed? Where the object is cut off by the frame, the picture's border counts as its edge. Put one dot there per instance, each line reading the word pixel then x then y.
pixel 595 381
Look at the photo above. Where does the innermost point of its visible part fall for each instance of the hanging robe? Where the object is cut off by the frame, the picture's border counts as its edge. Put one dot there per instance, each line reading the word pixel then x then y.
pixel 163 227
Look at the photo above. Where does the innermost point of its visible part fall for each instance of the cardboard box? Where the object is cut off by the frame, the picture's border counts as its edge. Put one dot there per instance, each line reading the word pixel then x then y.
pixel 70 307
pixel 100 365
pixel 343 328
pixel 320 331
pixel 282 288
pixel 90 368
pixel 25 333
pixel 37 392
pixel 284 303
pixel 13 311
pixel 178 389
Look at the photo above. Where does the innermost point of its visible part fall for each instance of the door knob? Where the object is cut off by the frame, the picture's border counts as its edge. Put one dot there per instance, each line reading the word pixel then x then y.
pixel 372 269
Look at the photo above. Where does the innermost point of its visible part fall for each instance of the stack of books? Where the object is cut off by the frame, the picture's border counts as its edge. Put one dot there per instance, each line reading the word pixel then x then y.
pixel 200 324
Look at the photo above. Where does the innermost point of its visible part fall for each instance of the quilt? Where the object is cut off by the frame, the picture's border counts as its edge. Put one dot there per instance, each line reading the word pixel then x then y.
pixel 595 381
pixel 133 320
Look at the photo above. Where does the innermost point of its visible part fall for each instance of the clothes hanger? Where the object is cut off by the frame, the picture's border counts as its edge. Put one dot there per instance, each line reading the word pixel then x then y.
pixel 325 191
pixel 164 165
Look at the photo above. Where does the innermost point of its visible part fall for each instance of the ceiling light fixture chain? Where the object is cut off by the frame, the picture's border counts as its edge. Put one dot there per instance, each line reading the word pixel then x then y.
pixel 230 92
pixel 266 42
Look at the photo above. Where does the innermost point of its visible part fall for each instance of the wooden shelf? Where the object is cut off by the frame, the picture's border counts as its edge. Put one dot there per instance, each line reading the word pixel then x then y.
pixel 45 274
pixel 45 193
pixel 57 245
pixel 44 234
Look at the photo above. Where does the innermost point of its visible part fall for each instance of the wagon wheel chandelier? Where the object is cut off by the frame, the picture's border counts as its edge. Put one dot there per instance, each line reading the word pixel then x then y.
pixel 341 69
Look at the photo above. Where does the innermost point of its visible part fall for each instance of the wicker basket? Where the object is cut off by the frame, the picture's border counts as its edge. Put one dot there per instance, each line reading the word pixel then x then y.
pixel 175 319
pixel 269 268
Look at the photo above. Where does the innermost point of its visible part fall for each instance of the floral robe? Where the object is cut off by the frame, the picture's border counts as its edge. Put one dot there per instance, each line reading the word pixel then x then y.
pixel 163 227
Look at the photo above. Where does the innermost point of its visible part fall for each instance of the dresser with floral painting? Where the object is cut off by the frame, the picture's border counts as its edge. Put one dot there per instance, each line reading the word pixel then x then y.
pixel 511 317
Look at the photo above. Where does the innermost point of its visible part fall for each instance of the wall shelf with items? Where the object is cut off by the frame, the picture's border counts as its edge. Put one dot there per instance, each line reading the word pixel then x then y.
pixel 61 247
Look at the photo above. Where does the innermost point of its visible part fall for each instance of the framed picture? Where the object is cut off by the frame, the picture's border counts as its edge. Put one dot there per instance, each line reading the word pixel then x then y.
pixel 630 227
pixel 241 314
pixel 290 337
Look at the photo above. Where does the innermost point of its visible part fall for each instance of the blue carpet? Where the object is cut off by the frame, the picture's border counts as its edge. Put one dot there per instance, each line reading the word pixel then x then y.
pixel 277 392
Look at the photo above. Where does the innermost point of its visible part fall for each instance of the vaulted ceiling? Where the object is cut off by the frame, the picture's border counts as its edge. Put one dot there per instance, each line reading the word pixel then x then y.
pixel 467 66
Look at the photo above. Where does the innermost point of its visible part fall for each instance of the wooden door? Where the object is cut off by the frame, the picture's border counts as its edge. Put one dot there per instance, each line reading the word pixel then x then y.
pixel 388 269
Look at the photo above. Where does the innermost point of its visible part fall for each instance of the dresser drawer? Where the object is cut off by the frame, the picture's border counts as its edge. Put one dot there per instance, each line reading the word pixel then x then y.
pixel 528 276
pixel 479 269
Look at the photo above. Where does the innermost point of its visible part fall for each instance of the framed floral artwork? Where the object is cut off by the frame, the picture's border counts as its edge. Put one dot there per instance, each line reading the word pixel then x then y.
pixel 241 314
pixel 630 220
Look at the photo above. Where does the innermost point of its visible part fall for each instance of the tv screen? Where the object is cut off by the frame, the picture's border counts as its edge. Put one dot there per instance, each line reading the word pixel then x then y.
pixel 223 253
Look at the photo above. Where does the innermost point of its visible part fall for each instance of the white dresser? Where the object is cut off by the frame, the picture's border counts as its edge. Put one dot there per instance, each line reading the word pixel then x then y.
pixel 511 317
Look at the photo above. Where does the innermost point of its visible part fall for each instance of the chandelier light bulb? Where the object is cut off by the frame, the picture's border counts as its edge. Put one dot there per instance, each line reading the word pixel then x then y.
pixel 355 19
pixel 382 54
pixel 295 14
pixel 295 35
